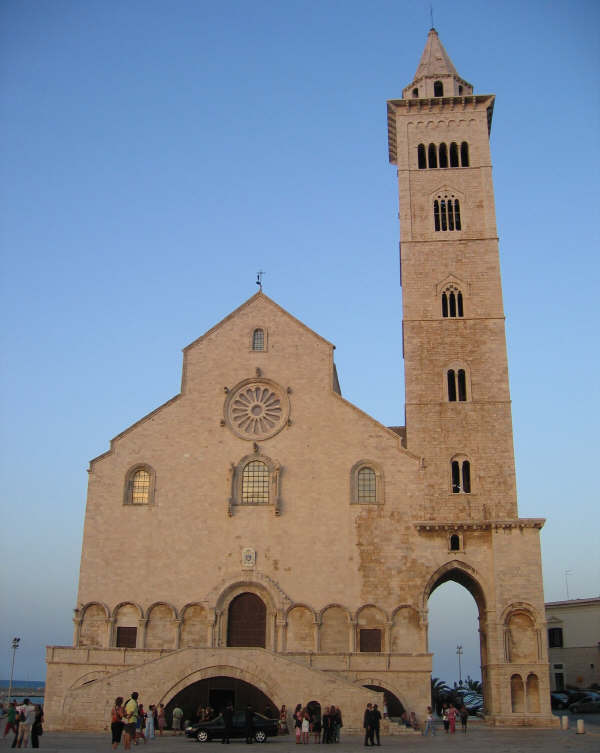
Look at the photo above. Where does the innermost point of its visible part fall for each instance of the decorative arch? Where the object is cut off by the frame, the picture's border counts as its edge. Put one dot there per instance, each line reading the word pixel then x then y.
pixel 93 621
pixel 161 628
pixel 194 626
pixel 126 617
pixel 264 590
pixel 301 628
pixel 379 685
pixel 371 623
pixel 407 634
pixel 522 634
pixel 334 632
pixel 463 574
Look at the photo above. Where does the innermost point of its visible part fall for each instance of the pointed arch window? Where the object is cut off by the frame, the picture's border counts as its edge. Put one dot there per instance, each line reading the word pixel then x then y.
pixel 461 476
pixel 438 89
pixel 464 154
pixel 452 302
pixel 422 160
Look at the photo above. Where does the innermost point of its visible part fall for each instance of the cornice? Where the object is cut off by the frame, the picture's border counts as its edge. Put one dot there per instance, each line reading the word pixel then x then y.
pixel 433 526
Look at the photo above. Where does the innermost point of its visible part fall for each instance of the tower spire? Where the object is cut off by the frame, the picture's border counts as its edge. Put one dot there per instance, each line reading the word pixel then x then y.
pixel 436 75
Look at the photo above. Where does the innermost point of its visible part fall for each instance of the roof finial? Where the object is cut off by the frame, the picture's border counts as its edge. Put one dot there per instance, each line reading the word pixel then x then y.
pixel 259 279
pixel 431 14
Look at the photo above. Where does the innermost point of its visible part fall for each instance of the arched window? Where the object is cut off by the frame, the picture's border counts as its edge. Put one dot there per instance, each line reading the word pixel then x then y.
pixel 415 93
pixel 461 477
pixel 457 385
pixel 139 486
pixel 421 157
pixel 443 155
pixel 446 213
pixel 438 89
pixel 258 339
pixel 455 543
pixel 366 484
pixel 432 155
pixel 452 302
pixel 255 483
pixel 464 154
pixel 453 154
pixel 460 89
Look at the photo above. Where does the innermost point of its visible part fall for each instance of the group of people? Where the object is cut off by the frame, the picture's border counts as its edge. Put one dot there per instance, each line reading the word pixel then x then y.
pixel 371 723
pixel 25 721
pixel 449 716
pixel 310 723
pixel 130 720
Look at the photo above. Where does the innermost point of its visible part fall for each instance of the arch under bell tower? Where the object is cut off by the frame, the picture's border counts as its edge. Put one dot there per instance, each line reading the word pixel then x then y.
pixel 458 411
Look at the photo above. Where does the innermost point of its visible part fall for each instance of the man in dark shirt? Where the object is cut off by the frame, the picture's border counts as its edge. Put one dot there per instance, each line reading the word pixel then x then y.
pixel 376 718
pixel 228 720
pixel 249 725
pixel 368 724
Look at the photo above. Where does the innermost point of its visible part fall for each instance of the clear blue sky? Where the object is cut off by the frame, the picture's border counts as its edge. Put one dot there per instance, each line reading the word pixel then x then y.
pixel 155 155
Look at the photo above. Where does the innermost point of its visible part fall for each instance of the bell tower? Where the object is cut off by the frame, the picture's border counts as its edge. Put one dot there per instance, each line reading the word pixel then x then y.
pixel 458 414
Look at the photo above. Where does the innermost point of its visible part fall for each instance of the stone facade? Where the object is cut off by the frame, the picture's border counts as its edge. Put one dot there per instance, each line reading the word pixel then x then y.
pixel 292 540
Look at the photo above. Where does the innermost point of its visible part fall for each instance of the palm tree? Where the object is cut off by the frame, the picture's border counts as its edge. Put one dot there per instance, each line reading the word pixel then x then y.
pixel 473 685
pixel 439 690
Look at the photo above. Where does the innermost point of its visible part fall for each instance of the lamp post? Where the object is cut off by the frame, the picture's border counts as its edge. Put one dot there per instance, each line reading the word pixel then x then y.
pixel 459 652
pixel 15 646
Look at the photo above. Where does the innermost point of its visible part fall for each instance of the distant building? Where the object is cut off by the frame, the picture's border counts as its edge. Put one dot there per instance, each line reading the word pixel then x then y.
pixel 574 642
pixel 258 539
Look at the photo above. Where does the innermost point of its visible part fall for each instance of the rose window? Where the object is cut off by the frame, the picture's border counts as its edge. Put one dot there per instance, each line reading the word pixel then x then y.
pixel 256 409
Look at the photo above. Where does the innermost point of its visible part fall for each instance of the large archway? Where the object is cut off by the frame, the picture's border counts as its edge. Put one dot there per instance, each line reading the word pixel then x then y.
pixel 457 634
pixel 247 621
pixel 393 704
pixel 216 693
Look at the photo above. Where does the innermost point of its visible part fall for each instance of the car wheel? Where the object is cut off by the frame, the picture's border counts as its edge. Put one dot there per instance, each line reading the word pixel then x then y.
pixel 202 736
pixel 260 736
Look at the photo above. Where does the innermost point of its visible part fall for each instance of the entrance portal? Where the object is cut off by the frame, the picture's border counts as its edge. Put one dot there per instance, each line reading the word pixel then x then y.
pixel 216 693
pixel 247 621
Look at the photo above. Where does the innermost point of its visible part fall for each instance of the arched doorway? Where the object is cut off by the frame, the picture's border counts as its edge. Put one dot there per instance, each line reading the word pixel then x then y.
pixel 394 705
pixel 216 693
pixel 247 621
pixel 457 636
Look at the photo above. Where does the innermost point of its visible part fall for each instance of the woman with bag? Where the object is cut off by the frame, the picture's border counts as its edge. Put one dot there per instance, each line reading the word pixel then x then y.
pixel 116 722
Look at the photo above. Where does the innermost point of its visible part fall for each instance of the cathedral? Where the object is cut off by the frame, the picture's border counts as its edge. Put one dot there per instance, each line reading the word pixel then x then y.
pixel 225 478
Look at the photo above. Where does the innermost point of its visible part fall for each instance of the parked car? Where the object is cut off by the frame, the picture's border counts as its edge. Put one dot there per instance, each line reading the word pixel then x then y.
pixel 215 728
pixel 473 703
pixel 559 700
pixel 589 704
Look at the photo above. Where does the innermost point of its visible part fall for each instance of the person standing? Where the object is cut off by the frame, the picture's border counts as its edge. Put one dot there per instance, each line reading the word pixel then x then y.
pixel 177 717
pixel 228 721
pixel 452 718
pixel 429 723
pixel 336 712
pixel 130 717
pixel 464 718
pixel 116 722
pixel 283 724
pixel 445 719
pixel 249 725
pixel 376 717
pixel 25 723
pixel 368 724
pixel 37 728
pixel 11 719
pixel 149 731
pixel 161 718
pixel 298 722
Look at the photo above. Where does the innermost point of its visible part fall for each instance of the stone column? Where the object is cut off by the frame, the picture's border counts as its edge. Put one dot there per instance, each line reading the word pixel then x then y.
pixel 141 633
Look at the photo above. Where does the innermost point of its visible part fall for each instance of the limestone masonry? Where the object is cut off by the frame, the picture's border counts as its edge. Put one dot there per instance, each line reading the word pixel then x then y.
pixel 259 444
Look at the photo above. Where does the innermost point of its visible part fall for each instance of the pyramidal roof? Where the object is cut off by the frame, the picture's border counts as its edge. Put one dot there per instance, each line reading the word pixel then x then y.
pixel 435 61
pixel 435 64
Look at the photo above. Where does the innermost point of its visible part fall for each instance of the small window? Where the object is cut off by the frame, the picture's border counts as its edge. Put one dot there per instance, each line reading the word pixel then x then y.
pixel 453 154
pixel 461 477
pixel 139 486
pixel 258 339
pixel 460 89
pixel 432 155
pixel 452 301
pixel 443 155
pixel 464 154
pixel 421 157
pixel 451 386
pixel 415 93
pixel 555 638
pixel 370 640
pixel 255 483
pixel 455 543
pixel 438 89
pixel 366 482
pixel 126 637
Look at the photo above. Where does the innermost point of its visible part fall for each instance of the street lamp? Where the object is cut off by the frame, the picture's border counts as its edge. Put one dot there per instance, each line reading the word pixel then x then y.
pixel 459 652
pixel 15 646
